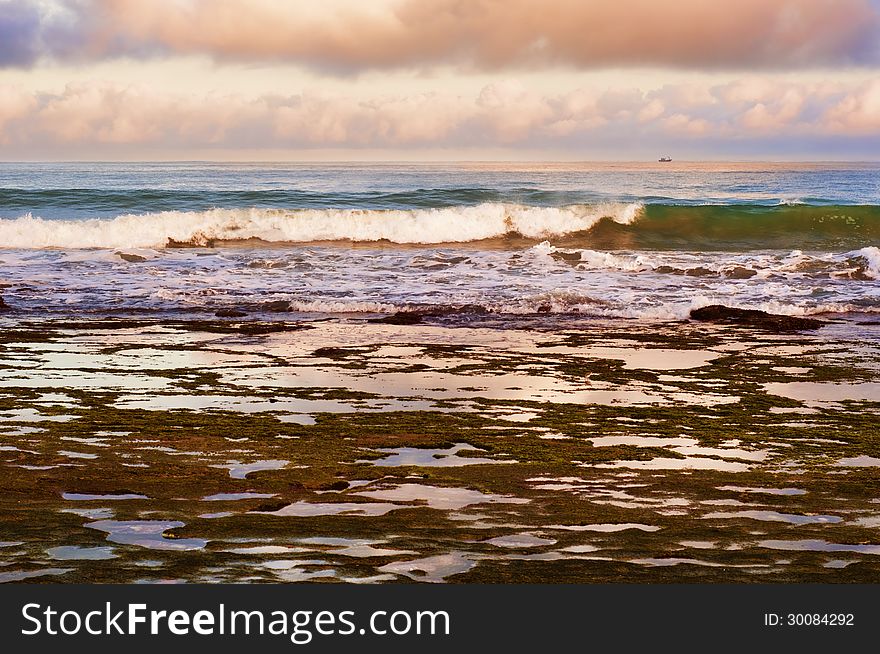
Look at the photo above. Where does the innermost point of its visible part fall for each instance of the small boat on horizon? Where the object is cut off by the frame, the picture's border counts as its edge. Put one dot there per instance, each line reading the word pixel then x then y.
pixel 665 159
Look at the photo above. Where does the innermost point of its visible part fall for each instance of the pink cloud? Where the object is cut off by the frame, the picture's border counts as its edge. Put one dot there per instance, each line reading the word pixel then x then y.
pixel 857 112
pixel 776 114
pixel 485 34
pixel 502 114
pixel 15 104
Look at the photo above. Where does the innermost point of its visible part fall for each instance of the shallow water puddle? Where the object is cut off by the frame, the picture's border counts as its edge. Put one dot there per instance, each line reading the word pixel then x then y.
pixel 101 513
pixel 77 455
pixel 607 528
pixel 655 358
pixel 698 544
pixel 823 393
pixel 580 549
pixel 837 564
pixel 775 516
pixel 449 386
pixel 818 546
pixel 355 547
pixel 438 497
pixel 146 533
pixel 22 430
pixel 522 416
pixel 258 550
pixel 688 463
pixel 8 576
pixel 722 452
pixel 80 380
pixel 290 409
pixel 657 562
pixel 432 569
pixel 94 497
pixel 870 521
pixel 295 571
pixel 859 462
pixel 403 496
pixel 766 491
pixel 641 441
pixel 431 458
pixel 31 415
pixel 244 404
pixel 94 442
pixel 77 553
pixel 520 541
pixel 234 497
pixel 302 509
pixel 238 470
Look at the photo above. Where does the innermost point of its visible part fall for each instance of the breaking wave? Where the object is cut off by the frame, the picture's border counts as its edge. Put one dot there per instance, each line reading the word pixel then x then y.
pixel 602 226
pixel 215 226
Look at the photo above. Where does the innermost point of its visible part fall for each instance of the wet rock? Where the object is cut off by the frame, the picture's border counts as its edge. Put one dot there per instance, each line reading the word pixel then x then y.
pixel 566 256
pixel 402 318
pixel 339 485
pixel 270 507
pixel 860 274
pixel 206 243
pixel 699 271
pixel 415 316
pixel 278 306
pixel 256 329
pixel 545 308
pixel 230 313
pixel 3 305
pixel 333 352
pixel 719 313
pixel 131 258
pixel 739 272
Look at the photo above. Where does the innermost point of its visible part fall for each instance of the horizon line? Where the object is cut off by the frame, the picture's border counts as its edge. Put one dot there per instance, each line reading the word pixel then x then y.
pixel 435 161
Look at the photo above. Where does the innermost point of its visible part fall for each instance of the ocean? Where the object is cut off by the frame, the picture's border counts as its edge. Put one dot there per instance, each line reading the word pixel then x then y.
pixel 639 241
pixel 203 379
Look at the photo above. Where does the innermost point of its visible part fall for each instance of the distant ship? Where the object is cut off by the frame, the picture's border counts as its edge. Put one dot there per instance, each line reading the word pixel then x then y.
pixel 665 159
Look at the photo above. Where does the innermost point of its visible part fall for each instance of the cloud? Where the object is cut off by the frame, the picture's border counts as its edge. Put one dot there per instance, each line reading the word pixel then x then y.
pixel 15 104
pixel 350 36
pixel 503 114
pixel 857 112
pixel 19 33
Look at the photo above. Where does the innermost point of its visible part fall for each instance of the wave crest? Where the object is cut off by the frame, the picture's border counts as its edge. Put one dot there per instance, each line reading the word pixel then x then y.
pixel 415 226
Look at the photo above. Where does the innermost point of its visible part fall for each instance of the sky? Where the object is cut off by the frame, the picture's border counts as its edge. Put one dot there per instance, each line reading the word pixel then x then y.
pixel 338 80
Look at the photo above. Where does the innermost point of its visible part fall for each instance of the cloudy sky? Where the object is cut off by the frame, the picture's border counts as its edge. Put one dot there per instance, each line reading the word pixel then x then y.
pixel 439 79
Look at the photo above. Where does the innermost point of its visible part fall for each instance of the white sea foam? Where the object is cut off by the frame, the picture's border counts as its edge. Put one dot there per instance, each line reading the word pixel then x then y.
pixel 443 281
pixel 872 256
pixel 343 306
pixel 446 225
pixel 763 265
pixel 600 260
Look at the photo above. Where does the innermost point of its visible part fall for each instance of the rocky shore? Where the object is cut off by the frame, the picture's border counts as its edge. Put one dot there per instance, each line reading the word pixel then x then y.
pixel 407 450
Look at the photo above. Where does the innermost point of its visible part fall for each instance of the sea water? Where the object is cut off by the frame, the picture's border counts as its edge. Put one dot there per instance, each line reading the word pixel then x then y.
pixel 644 241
